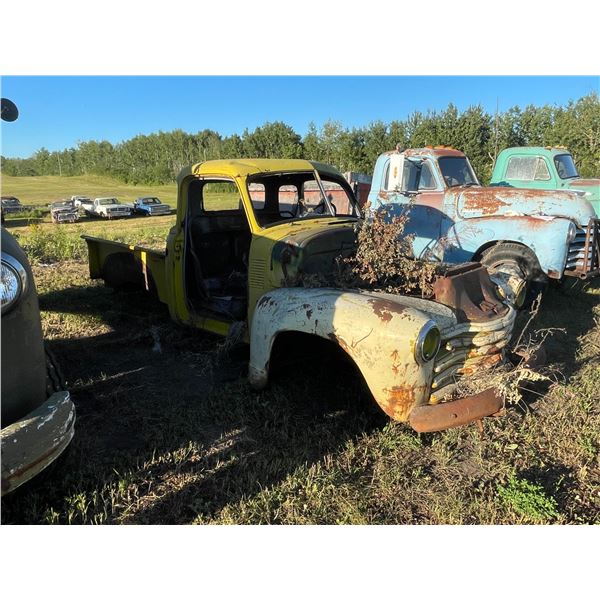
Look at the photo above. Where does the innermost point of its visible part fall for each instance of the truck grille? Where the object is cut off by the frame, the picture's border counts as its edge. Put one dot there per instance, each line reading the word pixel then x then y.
pixel 583 259
pixel 470 347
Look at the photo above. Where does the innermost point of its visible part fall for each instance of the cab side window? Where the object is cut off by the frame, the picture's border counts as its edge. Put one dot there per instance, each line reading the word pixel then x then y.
pixel 427 181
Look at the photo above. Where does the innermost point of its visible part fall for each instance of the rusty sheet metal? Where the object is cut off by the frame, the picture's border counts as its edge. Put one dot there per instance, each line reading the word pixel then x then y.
pixel 476 202
pixel 438 417
pixel 469 290
pixel 378 333
pixel 583 259
pixel 32 443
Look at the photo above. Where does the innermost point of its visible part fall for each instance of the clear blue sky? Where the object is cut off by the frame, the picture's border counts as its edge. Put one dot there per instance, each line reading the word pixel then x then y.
pixel 57 112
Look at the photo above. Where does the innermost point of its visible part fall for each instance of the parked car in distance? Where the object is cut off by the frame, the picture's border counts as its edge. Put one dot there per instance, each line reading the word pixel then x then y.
pixel 64 211
pixel 78 201
pixel 11 205
pixel 108 208
pixel 548 168
pixel 150 205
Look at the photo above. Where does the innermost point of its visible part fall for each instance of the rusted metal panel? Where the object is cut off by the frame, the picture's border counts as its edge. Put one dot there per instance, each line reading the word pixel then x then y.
pixel 379 332
pixel 438 417
pixel 473 296
pixel 30 444
pixel 583 260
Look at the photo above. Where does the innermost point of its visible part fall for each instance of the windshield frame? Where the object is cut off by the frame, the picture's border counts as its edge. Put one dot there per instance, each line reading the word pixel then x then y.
pixel 455 158
pixel 107 201
pixel 556 160
pixel 316 176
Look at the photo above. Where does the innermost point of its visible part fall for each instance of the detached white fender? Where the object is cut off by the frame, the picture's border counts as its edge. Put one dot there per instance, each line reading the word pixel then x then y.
pixel 377 332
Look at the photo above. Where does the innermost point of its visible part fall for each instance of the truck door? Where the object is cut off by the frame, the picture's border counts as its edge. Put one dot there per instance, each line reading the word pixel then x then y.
pixel 422 194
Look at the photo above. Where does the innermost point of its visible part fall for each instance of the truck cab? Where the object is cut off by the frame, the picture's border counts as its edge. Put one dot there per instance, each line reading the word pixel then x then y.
pixel 527 235
pixel 544 168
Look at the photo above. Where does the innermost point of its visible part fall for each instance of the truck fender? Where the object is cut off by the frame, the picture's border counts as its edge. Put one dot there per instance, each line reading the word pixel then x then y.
pixel 547 237
pixel 379 335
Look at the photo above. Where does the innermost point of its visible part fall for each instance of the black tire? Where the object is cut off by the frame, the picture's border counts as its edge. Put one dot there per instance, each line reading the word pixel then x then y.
pixel 524 259
pixel 55 381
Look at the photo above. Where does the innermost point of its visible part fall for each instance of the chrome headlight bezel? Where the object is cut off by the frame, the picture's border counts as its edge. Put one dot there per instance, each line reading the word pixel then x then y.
pixel 430 328
pixel 18 271
pixel 572 232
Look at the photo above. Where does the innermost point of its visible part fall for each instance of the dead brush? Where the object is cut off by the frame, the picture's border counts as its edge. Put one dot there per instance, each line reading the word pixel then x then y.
pixel 511 381
pixel 383 261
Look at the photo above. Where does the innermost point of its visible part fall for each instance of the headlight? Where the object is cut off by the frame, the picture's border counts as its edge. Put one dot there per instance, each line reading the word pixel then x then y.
pixel 13 281
pixel 428 342
pixel 572 232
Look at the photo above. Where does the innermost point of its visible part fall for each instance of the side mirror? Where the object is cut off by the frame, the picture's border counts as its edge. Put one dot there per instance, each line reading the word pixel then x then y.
pixel 9 110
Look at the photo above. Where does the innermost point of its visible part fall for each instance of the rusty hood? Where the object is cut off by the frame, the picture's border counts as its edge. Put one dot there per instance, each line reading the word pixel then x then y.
pixel 474 202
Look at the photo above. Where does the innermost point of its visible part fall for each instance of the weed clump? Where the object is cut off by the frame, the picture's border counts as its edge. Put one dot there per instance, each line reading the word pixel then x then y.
pixel 528 499
pixel 383 261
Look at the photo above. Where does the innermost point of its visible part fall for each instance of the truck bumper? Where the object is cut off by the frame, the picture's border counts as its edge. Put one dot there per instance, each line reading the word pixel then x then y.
pixel 436 417
pixel 36 440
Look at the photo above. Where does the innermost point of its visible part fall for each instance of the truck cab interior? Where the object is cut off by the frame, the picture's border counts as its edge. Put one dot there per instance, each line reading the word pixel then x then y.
pixel 217 245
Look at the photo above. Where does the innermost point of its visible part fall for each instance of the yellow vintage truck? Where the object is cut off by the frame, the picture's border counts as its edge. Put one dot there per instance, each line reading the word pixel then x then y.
pixel 247 228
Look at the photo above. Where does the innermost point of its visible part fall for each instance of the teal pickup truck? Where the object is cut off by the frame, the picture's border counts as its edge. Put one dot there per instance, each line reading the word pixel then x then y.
pixel 549 168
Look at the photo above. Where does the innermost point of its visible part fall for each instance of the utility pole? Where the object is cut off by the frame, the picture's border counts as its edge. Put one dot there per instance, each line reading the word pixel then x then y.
pixel 59 167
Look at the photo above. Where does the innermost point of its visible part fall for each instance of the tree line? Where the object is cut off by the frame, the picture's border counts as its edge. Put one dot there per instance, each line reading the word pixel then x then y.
pixel 158 157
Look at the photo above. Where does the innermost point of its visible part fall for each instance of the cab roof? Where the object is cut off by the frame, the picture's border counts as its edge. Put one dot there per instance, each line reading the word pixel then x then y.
pixel 251 166
pixel 553 150
pixel 435 151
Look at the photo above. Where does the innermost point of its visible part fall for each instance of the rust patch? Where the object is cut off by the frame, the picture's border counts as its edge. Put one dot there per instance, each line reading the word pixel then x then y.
pixel 383 195
pixel 341 342
pixel 385 309
pixel 484 200
pixel 400 400
pixel 485 362
pixel 437 152
pixel 587 182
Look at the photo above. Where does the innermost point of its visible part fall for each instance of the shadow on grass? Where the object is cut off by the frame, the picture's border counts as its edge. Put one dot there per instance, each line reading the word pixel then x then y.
pixel 149 389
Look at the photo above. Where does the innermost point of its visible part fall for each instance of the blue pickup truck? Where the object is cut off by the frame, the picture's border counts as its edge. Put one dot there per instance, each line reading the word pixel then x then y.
pixel 528 234
pixel 149 206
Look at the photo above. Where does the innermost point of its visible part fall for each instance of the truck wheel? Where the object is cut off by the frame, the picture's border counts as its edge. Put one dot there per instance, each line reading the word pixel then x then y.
pixel 521 259
pixel 54 378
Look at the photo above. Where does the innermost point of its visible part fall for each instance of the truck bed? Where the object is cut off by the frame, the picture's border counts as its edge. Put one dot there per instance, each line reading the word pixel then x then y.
pixel 123 265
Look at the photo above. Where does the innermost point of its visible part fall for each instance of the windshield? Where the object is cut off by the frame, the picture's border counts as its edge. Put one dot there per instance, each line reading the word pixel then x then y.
pixel 293 196
pixel 565 166
pixel 105 201
pixel 456 170
pixel 150 201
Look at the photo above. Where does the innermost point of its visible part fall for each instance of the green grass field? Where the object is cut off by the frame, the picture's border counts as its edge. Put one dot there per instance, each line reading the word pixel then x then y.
pixel 168 430
pixel 40 191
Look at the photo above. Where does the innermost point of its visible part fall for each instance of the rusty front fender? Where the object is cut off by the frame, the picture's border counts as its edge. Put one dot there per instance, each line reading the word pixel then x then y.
pixel 378 333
